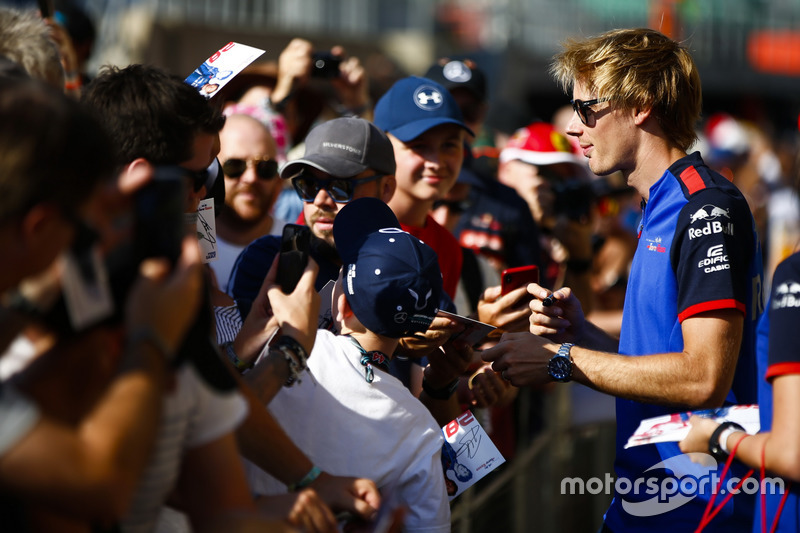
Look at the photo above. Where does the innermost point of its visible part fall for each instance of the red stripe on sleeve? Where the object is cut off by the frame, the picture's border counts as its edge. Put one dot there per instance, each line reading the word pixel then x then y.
pixel 692 180
pixel 729 303
pixel 781 369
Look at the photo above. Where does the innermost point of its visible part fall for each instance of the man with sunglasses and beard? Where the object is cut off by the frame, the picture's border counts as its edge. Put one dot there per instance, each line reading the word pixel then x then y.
pixel 247 154
pixel 345 158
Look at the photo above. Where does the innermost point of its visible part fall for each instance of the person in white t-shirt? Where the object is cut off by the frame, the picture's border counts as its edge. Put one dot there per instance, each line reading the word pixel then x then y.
pixel 348 414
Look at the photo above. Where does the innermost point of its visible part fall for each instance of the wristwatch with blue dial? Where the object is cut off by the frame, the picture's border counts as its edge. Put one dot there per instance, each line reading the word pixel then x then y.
pixel 560 365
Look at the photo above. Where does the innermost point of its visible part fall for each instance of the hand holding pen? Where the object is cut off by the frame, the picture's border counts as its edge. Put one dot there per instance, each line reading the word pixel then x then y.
pixel 557 315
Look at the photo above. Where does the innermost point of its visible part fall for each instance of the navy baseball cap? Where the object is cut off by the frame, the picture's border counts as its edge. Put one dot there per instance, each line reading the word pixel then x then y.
pixel 413 105
pixel 391 279
pixel 459 75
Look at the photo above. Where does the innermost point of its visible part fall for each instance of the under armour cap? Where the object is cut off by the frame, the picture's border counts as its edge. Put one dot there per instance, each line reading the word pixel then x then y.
pixel 344 147
pixel 413 105
pixel 458 74
pixel 539 144
pixel 391 279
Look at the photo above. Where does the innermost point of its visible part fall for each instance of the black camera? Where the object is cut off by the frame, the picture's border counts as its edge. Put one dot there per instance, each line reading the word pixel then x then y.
pixel 325 65
pixel 95 288
pixel 159 219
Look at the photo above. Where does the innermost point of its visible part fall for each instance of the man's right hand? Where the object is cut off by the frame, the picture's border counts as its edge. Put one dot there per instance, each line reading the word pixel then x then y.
pixel 294 68
pixel 563 321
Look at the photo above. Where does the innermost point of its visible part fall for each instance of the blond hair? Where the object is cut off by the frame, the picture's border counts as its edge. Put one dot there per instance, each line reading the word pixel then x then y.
pixel 637 68
pixel 25 39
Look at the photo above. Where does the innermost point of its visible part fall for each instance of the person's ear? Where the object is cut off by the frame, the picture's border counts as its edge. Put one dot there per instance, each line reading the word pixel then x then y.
pixel 343 309
pixel 640 114
pixel 38 222
pixel 388 186
pixel 135 175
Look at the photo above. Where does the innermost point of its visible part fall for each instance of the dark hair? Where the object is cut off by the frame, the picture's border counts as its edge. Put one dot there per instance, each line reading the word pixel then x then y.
pixel 51 149
pixel 151 114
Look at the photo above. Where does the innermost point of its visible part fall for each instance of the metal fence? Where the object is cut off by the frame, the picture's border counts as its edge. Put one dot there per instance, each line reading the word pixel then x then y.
pixel 526 494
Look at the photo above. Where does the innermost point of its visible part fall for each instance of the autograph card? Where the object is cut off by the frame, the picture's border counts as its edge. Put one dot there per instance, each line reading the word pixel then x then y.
pixel 474 332
pixel 220 68
pixel 675 427
pixel 468 454
pixel 206 229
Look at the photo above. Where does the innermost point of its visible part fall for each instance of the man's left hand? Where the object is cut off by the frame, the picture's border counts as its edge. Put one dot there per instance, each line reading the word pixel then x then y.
pixel 521 359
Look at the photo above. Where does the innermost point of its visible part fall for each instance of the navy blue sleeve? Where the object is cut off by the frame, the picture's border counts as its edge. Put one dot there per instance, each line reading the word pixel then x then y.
pixel 714 242
pixel 784 318
pixel 250 269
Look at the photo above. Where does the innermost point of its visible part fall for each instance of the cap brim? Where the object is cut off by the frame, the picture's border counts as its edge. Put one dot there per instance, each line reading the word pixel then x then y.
pixel 334 166
pixel 538 158
pixel 412 130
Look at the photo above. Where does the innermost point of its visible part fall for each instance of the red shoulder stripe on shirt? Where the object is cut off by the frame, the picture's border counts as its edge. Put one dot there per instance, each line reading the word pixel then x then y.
pixel 692 180
pixel 713 305
pixel 781 369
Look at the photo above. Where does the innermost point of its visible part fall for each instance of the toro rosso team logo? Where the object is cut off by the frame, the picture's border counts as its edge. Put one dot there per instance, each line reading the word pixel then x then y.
pixel 714 220
pixel 428 97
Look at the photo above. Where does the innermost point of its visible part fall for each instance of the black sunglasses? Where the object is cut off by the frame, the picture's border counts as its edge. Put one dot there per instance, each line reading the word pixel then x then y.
pixel 583 108
pixel 266 169
pixel 339 189
pixel 198 177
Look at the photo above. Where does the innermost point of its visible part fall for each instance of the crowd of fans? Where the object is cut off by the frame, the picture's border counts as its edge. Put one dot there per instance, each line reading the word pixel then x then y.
pixel 144 389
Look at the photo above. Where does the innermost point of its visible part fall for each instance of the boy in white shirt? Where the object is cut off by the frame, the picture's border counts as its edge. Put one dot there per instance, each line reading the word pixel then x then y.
pixel 348 414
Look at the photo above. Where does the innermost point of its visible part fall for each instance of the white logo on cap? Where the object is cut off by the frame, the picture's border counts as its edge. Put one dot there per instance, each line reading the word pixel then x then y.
pixel 400 318
pixel 351 273
pixel 457 71
pixel 418 306
pixel 340 146
pixel 428 98
pixel 390 230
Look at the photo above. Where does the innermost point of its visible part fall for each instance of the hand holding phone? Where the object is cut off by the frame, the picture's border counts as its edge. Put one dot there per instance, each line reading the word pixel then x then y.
pixel 514 278
pixel 295 244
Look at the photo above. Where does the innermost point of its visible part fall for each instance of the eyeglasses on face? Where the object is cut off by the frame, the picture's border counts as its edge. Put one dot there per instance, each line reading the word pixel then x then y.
pixel 339 189
pixel 198 177
pixel 583 109
pixel 266 169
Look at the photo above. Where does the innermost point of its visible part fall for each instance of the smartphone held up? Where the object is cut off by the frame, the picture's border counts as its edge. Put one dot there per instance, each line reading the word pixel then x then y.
pixel 293 257
pixel 514 278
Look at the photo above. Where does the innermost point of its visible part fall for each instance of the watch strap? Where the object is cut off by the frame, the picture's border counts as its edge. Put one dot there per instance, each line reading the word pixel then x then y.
pixel 714 448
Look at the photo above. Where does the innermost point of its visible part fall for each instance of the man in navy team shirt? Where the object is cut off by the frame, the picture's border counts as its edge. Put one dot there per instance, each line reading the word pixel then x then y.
pixel 694 291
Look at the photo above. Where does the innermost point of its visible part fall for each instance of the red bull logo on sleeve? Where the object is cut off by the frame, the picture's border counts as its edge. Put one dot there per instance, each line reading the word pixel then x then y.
pixel 711 215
